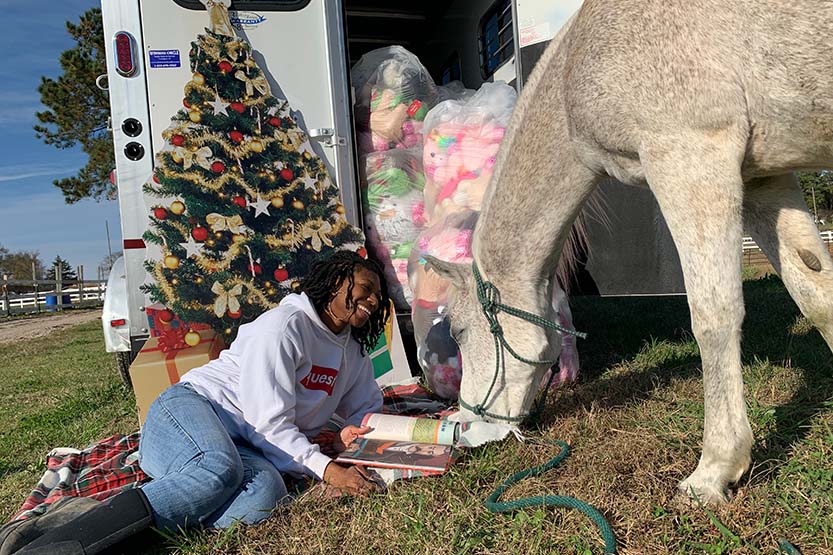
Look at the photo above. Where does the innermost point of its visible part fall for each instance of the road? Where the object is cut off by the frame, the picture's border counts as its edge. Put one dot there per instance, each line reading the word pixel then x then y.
pixel 39 326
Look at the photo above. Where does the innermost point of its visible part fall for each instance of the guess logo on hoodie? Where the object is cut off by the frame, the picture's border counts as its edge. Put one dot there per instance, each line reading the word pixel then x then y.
pixel 320 378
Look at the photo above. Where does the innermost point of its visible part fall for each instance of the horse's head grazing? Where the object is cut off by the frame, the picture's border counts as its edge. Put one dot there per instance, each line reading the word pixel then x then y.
pixel 517 382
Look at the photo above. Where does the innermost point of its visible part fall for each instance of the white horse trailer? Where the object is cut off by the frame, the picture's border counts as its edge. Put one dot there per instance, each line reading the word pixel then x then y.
pixel 306 49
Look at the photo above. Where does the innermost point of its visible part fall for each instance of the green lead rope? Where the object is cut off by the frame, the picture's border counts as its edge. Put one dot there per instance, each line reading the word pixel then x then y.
pixel 592 513
pixel 489 298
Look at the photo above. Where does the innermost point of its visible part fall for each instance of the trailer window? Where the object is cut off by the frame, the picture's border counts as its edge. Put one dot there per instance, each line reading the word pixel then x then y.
pixel 262 5
pixel 496 37
pixel 451 69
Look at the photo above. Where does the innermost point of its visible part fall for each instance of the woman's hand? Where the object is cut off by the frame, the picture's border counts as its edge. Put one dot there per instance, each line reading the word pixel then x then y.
pixel 346 436
pixel 353 480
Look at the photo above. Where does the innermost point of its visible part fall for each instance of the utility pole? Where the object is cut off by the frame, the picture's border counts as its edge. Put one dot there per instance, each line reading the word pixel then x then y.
pixel 815 213
pixel 109 250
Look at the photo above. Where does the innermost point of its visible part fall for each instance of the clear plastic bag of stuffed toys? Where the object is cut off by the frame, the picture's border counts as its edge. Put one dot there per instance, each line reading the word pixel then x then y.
pixel 394 93
pixel 461 143
pixel 394 214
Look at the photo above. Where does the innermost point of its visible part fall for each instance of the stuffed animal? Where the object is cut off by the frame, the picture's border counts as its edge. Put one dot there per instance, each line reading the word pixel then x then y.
pixel 395 93
pixel 437 351
pixel 394 214
pixel 458 162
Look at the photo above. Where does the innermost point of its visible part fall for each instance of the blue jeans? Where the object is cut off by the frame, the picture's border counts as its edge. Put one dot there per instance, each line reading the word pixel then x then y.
pixel 200 476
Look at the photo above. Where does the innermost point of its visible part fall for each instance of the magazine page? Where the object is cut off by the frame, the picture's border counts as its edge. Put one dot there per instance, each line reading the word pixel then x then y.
pixel 406 428
pixel 425 457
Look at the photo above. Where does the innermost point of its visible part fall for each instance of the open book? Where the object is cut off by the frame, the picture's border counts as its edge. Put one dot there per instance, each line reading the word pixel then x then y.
pixel 405 442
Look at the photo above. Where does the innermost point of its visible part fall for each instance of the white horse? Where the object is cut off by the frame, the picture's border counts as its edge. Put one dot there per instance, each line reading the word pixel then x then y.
pixel 710 103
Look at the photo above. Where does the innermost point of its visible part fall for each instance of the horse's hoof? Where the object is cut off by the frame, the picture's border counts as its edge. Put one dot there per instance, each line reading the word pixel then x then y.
pixel 693 492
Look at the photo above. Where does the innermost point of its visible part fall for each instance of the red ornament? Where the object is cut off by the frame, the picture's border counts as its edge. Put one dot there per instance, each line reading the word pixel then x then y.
pixel 160 213
pixel 178 140
pixel 155 178
pixel 199 233
pixel 362 252
pixel 287 175
pixel 238 107
pixel 275 121
pixel 166 316
pixel 218 167
pixel 236 136
pixel 233 315
pixel 256 269
pixel 185 103
pixel 225 66
pixel 281 274
pixel 239 201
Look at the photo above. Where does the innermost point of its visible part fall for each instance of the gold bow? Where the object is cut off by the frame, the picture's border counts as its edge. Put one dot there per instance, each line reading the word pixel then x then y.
pixel 189 157
pixel 292 137
pixel 218 222
pixel 296 137
pixel 318 232
pixel 226 299
pixel 253 83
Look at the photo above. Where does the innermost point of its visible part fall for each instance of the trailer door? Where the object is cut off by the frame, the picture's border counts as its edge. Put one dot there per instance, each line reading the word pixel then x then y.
pixel 299 44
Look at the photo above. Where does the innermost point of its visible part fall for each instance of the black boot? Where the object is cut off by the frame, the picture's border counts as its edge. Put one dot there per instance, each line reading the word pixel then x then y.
pixel 97 529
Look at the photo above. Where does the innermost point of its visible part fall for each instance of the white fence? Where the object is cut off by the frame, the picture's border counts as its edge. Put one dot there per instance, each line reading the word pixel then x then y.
pixel 749 243
pixel 49 295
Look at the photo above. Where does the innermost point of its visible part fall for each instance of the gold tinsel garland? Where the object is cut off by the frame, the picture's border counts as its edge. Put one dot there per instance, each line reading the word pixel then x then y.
pixel 251 101
pixel 217 185
pixel 182 229
pixel 211 265
pixel 254 296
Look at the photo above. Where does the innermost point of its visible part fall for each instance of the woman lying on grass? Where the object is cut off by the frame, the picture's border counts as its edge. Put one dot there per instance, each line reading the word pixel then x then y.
pixel 217 443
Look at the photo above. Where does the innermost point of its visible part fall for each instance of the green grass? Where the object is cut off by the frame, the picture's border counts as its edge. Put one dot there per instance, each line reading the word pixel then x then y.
pixel 634 423
pixel 58 391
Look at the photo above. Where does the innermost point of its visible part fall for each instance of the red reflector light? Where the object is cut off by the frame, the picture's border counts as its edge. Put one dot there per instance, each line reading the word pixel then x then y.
pixel 124 51
pixel 117 323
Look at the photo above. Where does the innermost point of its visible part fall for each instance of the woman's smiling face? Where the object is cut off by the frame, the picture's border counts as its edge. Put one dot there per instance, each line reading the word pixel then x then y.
pixel 364 300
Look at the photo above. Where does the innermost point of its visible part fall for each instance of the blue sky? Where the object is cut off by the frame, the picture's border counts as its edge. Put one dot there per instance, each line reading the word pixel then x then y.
pixel 33 214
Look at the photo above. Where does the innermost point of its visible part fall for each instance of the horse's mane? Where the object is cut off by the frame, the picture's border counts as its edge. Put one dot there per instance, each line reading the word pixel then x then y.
pixel 576 248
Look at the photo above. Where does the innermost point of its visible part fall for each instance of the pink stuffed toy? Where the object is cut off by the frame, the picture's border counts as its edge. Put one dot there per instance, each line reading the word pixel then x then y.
pixel 437 352
pixel 458 162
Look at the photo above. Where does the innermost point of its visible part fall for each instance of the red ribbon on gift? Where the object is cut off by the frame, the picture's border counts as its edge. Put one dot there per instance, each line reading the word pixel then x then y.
pixel 170 356
pixel 172 340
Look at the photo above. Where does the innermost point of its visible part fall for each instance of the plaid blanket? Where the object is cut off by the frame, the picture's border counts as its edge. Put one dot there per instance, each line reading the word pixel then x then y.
pixel 111 465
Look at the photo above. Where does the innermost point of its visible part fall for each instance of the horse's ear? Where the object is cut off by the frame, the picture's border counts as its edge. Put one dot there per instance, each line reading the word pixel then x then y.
pixel 452 271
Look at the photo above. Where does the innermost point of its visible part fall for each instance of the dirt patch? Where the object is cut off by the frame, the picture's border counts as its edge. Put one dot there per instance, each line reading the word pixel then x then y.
pixel 38 326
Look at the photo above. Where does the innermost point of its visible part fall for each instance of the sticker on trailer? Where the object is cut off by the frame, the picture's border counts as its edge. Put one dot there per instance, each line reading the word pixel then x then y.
pixel 535 34
pixel 164 58
pixel 245 20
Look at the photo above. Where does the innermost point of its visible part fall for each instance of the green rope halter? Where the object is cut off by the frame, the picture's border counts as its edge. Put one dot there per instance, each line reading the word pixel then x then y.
pixel 489 297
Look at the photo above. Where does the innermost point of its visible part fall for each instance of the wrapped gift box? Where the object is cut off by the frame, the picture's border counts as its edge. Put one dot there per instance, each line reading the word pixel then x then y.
pixel 390 365
pixel 154 370
pixel 157 312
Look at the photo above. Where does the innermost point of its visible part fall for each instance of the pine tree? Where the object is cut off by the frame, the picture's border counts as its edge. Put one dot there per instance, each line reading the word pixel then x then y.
pixel 67 273
pixel 254 206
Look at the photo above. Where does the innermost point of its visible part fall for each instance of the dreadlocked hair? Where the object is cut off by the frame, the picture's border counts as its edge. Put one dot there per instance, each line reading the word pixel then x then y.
pixel 326 276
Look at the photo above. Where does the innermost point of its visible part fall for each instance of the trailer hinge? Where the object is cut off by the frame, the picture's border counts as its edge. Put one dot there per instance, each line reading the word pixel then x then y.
pixel 327 136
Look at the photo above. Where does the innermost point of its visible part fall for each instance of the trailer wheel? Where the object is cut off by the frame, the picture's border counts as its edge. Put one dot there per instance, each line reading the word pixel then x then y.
pixel 123 360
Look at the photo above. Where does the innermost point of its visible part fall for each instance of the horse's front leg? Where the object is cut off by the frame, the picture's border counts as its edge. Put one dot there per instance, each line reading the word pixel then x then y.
pixel 700 190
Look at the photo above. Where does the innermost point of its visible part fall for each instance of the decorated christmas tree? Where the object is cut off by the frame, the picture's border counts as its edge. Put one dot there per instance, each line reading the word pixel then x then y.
pixel 248 204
